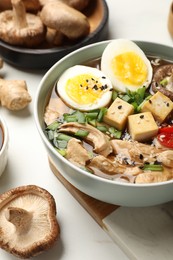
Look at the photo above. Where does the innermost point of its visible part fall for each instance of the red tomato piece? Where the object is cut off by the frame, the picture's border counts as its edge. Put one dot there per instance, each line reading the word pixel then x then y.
pixel 166 129
pixel 166 139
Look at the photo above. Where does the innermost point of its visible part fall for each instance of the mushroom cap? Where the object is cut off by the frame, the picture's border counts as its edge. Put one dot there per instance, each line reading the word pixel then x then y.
pixel 29 36
pixel 65 19
pixel 28 223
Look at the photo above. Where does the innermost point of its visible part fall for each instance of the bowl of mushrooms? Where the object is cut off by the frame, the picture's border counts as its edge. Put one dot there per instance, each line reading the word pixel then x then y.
pixel 36 34
pixel 105 115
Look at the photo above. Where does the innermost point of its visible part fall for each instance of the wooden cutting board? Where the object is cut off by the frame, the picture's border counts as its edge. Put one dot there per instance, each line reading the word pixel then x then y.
pixel 142 233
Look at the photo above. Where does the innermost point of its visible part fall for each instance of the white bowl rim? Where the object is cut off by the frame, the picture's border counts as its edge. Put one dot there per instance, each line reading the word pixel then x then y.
pixel 50 146
pixel 5 134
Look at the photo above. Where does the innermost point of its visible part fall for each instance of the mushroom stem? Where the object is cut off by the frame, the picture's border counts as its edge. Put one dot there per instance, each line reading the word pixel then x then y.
pixel 19 14
pixel 20 218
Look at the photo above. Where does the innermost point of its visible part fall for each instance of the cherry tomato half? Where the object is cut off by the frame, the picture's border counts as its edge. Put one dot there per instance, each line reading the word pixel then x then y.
pixel 165 136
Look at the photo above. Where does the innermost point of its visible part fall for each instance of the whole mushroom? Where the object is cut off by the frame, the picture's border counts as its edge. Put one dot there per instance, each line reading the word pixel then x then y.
pixel 28 223
pixel 21 28
pixel 65 19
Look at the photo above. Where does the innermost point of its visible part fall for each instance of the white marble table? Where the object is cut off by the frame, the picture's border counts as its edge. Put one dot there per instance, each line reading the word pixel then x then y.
pixel 81 237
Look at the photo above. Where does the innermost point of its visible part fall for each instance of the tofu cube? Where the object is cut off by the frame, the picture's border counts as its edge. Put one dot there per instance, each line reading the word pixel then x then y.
pixel 142 126
pixel 159 105
pixel 118 113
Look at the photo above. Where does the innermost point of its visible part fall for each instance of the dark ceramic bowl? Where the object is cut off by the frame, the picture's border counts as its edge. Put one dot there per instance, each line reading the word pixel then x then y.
pixel 44 57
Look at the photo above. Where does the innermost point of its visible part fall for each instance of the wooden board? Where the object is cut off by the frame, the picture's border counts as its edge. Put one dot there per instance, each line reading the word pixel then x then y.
pixel 96 208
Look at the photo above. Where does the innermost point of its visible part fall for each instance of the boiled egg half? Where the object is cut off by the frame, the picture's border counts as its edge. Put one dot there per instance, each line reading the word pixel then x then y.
pixel 126 65
pixel 84 88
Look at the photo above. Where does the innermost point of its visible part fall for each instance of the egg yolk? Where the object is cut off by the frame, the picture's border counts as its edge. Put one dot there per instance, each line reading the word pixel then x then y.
pixel 84 89
pixel 129 68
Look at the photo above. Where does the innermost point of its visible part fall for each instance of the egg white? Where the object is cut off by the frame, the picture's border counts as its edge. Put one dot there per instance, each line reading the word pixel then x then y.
pixel 118 47
pixel 78 70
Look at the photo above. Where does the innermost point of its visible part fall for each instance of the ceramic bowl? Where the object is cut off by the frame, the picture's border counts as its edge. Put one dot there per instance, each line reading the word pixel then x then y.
pixel 44 56
pixel 4 147
pixel 117 193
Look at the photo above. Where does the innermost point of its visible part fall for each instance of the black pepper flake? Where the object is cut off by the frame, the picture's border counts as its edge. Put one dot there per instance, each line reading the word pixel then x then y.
pixel 150 101
pixel 111 89
pixel 87 87
pixel 87 80
pixel 119 107
pixel 141 156
pixel 141 116
pixel 81 85
pixel 103 77
pixel 167 104
pixel 95 87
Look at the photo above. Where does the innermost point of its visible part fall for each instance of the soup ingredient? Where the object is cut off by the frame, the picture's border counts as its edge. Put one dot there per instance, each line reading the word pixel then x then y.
pixel 159 105
pixel 118 113
pixel 154 176
pixel 28 223
pixel 142 126
pixel 100 141
pixel 65 19
pixel 112 167
pixel 133 152
pixel 126 65
pixel 21 28
pixel 84 88
pixel 76 153
pixel 165 136
pixel 14 94
pixel 163 80
pixel 135 98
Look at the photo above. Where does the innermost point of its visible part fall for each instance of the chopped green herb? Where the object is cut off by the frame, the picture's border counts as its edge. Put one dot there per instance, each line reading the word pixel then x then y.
pixel 82 133
pixel 102 128
pixel 164 82
pixel 115 133
pixel 53 126
pixel 152 167
pixel 114 95
pixel 101 114
pixel 61 151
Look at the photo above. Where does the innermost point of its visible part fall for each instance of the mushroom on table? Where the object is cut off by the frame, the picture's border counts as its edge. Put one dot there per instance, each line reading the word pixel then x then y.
pixel 28 223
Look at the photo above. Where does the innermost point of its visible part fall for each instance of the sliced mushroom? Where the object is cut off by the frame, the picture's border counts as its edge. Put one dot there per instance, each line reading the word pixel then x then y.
pixel 28 223
pixel 163 80
pixel 65 19
pixel 76 153
pixel 100 141
pixel 135 151
pixel 166 158
pixel 100 164
pixel 155 176
pixel 21 28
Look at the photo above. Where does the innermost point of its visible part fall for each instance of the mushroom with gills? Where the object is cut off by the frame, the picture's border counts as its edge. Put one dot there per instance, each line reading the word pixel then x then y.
pixel 21 28
pixel 28 223
pixel 163 80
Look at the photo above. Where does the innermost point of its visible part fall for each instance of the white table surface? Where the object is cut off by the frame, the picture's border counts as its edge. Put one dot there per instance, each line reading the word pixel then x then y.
pixel 81 238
